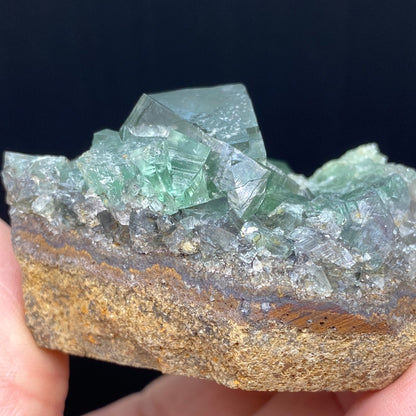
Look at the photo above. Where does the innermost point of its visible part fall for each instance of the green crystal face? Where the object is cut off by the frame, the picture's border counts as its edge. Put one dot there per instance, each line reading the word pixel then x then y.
pixel 187 173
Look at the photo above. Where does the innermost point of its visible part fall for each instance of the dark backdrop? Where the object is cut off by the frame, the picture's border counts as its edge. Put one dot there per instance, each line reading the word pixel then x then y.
pixel 324 76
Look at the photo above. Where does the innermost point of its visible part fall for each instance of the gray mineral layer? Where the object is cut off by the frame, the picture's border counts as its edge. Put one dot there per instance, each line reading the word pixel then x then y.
pixel 175 243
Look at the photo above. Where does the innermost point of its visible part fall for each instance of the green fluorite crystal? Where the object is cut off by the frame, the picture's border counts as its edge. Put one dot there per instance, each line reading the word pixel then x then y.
pixel 188 173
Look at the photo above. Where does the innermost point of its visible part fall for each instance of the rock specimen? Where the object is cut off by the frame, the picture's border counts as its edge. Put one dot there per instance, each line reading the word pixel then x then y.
pixel 175 244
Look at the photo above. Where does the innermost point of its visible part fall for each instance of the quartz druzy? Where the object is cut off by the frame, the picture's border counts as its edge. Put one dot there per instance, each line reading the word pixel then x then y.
pixel 185 186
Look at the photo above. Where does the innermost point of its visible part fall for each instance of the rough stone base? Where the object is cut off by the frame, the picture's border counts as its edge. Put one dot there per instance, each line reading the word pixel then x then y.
pixel 153 319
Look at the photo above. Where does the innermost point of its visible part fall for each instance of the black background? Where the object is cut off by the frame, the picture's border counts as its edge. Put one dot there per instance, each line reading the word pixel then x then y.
pixel 324 76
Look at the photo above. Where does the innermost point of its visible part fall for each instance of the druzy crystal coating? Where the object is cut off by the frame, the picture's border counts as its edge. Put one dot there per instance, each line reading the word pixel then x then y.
pixel 187 173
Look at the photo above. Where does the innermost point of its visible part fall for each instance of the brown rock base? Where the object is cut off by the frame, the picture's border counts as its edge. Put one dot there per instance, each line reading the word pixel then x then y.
pixel 152 318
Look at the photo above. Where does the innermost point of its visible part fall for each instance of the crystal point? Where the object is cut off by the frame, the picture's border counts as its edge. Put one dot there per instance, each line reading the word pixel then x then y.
pixel 224 112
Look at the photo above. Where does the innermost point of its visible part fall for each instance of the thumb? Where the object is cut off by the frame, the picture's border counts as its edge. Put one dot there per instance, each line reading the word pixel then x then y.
pixel 397 399
pixel 33 381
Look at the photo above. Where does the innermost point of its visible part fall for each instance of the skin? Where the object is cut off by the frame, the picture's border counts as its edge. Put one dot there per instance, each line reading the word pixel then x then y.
pixel 34 381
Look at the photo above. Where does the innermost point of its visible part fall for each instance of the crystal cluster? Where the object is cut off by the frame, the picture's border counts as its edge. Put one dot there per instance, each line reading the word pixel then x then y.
pixel 187 174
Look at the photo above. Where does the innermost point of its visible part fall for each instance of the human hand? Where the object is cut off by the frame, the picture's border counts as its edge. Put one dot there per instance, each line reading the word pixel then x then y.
pixel 34 381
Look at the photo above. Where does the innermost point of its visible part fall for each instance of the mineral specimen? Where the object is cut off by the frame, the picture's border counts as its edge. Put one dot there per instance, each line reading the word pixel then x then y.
pixel 175 244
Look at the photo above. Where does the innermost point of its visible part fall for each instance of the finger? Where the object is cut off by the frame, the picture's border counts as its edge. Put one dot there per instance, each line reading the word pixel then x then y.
pixel 398 399
pixel 301 404
pixel 347 398
pixel 176 395
pixel 32 380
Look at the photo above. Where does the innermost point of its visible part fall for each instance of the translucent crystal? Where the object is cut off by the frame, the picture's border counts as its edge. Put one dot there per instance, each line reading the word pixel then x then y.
pixel 223 112
pixel 269 242
pixel 187 174
pixel 364 163
pixel 230 172
pixel 187 160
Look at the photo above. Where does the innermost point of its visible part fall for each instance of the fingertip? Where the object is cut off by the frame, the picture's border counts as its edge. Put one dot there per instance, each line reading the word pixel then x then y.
pixel 397 399
pixel 6 250
pixel 179 395
pixel 4 230
pixel 10 275
pixel 30 377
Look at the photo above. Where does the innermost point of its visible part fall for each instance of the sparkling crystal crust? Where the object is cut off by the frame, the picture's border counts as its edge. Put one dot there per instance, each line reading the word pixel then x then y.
pixel 187 174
